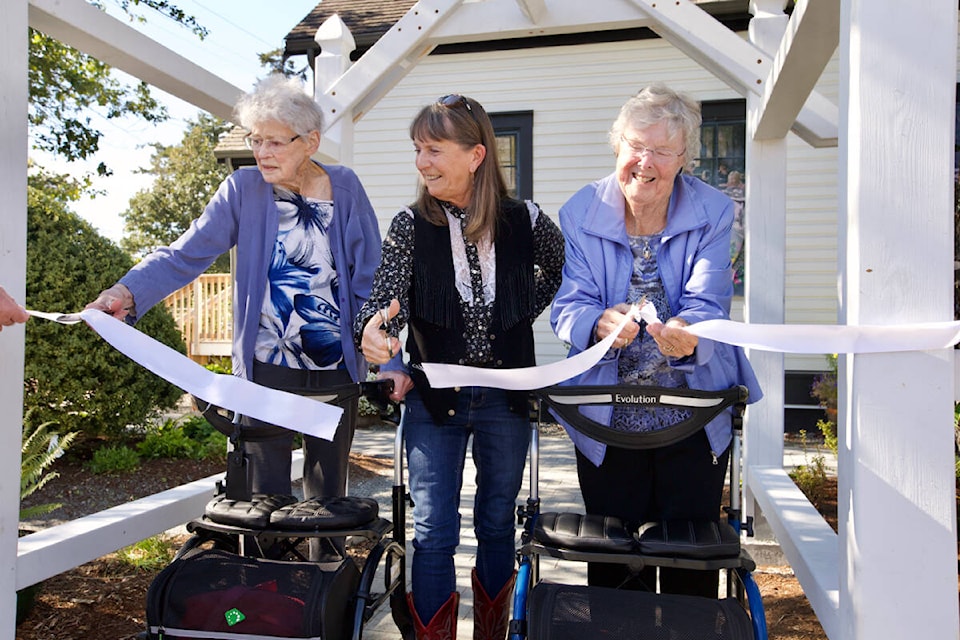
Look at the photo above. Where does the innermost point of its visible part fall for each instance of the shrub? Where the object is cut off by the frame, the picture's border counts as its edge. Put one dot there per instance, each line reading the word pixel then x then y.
pixel 71 374
pixel 824 389
pixel 113 459
pixel 213 443
pixel 169 441
pixel 811 477
pixel 187 437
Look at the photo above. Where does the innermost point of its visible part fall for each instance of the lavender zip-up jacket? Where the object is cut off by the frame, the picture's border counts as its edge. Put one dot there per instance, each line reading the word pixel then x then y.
pixel 694 266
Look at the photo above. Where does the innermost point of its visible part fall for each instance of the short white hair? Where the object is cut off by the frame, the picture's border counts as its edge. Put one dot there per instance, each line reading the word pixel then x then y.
pixel 277 97
pixel 659 103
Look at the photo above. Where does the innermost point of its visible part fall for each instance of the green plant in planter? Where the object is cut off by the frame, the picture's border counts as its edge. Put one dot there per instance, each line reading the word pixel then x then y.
pixel 825 391
pixel 810 477
pixel 41 445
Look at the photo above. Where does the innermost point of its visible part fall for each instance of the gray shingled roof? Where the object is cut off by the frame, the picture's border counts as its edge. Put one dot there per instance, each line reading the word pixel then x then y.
pixel 231 144
pixel 367 19
pixel 370 19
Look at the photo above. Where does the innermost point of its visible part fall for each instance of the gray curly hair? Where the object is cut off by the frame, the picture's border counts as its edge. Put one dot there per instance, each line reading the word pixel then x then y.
pixel 277 97
pixel 659 103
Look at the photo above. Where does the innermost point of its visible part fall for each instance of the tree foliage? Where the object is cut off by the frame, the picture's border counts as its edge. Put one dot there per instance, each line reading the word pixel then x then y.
pixel 274 62
pixel 67 86
pixel 185 177
pixel 72 376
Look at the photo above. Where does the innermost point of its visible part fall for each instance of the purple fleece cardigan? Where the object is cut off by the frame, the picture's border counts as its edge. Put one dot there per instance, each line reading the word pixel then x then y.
pixel 243 214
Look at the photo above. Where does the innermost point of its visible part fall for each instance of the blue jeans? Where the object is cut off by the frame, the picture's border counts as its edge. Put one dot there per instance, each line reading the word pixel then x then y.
pixel 435 458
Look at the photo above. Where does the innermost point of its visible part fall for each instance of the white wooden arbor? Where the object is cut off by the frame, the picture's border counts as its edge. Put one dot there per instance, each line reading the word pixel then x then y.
pixel 890 572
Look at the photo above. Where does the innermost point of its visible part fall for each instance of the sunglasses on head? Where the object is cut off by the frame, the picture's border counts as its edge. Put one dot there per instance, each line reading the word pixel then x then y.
pixel 453 100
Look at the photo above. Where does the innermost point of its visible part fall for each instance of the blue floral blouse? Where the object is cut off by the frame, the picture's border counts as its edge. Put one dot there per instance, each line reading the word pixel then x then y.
pixel 300 317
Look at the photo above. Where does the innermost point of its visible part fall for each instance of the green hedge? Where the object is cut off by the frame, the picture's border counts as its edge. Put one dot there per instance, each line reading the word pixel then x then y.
pixel 72 376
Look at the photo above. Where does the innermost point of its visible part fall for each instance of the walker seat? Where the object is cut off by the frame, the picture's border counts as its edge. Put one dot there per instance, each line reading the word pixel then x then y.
pixel 543 610
pixel 265 567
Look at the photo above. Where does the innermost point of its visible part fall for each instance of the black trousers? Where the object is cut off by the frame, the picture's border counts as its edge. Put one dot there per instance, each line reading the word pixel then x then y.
pixel 325 463
pixel 680 481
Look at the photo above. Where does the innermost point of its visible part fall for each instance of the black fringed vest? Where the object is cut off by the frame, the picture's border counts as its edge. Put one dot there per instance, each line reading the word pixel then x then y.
pixel 436 325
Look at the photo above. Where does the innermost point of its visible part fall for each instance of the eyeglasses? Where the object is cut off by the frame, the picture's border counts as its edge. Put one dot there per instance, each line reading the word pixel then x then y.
pixel 658 153
pixel 272 146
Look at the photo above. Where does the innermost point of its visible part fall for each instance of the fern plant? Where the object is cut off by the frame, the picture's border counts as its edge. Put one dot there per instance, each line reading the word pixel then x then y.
pixel 40 446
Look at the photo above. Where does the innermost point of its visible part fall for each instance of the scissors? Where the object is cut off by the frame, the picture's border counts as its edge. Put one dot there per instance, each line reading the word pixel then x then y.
pixel 385 327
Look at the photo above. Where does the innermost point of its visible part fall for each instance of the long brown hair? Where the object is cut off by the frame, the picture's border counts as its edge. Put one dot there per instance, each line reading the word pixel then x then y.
pixel 463 120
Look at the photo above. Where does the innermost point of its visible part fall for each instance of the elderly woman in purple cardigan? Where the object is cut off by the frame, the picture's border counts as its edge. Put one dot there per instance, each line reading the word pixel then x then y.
pixel 307 244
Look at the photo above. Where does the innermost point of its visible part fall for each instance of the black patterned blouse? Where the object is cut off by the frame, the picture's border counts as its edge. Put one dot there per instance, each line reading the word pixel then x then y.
pixel 393 276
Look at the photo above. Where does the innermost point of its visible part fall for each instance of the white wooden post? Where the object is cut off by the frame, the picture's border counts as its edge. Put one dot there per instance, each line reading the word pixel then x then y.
pixel 897 517
pixel 336 43
pixel 765 232
pixel 13 263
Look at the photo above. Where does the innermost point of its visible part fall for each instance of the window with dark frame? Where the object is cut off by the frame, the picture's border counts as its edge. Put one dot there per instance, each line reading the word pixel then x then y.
pixel 514 131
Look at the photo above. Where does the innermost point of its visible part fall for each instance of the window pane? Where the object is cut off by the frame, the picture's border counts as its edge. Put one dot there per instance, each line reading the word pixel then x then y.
pixel 510 176
pixel 514 133
pixel 707 140
pixel 507 152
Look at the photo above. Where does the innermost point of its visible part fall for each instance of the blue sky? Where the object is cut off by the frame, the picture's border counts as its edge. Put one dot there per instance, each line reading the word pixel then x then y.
pixel 239 30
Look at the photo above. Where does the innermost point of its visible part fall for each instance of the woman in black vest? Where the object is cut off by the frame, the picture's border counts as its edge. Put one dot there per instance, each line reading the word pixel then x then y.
pixel 468 269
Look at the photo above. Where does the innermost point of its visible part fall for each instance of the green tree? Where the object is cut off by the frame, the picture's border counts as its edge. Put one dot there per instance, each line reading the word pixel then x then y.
pixel 66 85
pixel 72 376
pixel 185 177
pixel 274 62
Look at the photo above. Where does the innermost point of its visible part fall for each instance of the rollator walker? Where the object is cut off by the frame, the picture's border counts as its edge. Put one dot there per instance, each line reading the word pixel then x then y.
pixel 246 572
pixel 546 610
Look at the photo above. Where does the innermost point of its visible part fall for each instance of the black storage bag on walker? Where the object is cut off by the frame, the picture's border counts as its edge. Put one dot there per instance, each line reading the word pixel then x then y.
pixel 234 596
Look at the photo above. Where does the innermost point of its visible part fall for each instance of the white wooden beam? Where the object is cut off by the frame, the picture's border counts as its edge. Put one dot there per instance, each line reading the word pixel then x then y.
pixel 336 44
pixel 806 539
pixel 533 9
pixel 811 38
pixel 738 63
pixel 92 31
pixel 13 268
pixel 46 553
pixel 503 19
pixel 898 525
pixel 386 62
pixel 765 263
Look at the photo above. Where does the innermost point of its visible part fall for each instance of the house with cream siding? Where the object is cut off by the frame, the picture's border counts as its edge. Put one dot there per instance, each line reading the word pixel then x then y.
pixel 568 89
pixel 850 111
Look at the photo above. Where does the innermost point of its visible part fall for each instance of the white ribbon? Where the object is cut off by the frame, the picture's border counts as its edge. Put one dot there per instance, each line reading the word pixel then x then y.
pixel 280 408
pixel 819 338
pixel 442 376
pixel 794 338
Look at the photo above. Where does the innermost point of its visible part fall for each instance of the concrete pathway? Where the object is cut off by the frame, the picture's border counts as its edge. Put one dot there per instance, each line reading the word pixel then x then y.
pixel 558 489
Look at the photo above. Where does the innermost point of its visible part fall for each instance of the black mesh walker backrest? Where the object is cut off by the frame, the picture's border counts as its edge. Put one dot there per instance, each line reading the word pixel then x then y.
pixel 376 392
pixel 703 406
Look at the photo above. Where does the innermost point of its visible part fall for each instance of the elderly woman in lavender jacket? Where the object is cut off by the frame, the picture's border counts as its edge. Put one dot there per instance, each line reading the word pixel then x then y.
pixel 307 245
pixel 650 231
